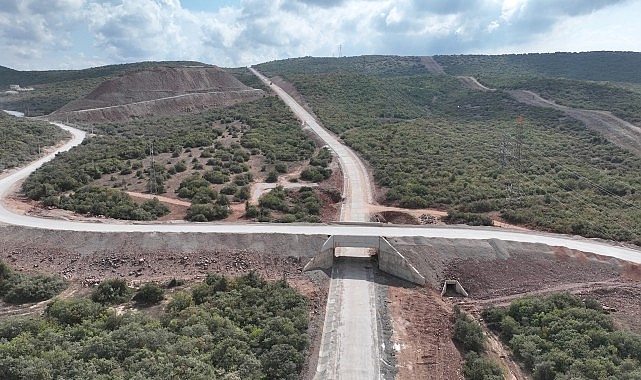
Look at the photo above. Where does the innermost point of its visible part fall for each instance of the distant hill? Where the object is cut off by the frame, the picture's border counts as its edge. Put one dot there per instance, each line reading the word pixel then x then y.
pixel 55 88
pixel 29 78
pixel 594 66
pixel 161 90
pixel 380 65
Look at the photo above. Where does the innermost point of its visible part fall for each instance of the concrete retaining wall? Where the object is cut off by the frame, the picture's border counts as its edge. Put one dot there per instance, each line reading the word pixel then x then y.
pixel 389 259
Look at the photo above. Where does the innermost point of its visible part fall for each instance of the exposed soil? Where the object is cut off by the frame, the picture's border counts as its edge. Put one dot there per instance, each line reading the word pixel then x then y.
pixel 158 91
pixel 432 66
pixel 423 330
pixel 473 83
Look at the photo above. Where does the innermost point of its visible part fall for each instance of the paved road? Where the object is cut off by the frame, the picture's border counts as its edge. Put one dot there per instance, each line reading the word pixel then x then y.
pixel 349 345
pixel 364 229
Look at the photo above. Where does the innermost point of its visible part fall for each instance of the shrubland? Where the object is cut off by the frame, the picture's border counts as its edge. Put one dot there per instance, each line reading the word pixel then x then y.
pixel 433 143
pixel 22 140
pixel 561 336
pixel 219 144
pixel 241 328
pixel 18 288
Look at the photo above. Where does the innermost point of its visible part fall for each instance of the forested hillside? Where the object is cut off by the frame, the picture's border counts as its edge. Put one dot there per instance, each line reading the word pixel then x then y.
pixel 434 143
pixel 21 140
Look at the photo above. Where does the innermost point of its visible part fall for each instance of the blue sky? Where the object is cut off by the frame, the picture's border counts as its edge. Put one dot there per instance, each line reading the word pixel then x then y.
pixel 72 34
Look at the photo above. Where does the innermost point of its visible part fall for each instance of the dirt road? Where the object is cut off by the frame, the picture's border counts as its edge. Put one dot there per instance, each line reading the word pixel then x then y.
pixel 472 83
pixel 619 132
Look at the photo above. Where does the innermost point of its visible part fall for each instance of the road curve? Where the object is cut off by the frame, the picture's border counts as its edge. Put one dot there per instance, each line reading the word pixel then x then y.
pixel 9 183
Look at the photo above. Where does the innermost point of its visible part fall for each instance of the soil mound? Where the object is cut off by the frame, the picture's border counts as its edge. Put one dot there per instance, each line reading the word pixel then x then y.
pixel 158 91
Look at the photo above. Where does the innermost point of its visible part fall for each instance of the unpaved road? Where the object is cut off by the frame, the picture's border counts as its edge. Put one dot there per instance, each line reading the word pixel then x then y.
pixel 357 185
pixel 472 83
pixel 620 132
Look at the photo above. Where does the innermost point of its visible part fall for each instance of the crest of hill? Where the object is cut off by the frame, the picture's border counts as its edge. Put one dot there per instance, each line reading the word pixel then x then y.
pixel 157 83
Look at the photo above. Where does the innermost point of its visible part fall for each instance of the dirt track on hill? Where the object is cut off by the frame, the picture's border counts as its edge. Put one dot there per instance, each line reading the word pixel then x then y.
pixel 157 91
pixel 620 132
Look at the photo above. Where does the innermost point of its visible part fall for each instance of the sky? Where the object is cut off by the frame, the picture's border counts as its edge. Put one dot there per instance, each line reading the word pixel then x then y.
pixel 75 34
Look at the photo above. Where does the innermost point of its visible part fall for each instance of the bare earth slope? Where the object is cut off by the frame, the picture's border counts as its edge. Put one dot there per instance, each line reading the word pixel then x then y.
pixel 158 91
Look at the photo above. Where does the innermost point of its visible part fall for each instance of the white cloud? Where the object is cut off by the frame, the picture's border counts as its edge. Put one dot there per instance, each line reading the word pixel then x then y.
pixel 61 33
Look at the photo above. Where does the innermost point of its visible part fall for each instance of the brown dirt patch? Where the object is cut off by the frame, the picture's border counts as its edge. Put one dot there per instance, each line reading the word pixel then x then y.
pixel 395 217
pixel 423 329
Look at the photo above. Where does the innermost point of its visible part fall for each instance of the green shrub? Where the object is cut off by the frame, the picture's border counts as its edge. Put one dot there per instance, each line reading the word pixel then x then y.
pixel 21 288
pixel 36 288
pixel 272 177
pixel 207 212
pixel 179 301
pixel 112 292
pixel 479 368
pixel 73 311
pixel 154 207
pixel 469 218
pixel 468 334
pixel 174 282
pixel 149 293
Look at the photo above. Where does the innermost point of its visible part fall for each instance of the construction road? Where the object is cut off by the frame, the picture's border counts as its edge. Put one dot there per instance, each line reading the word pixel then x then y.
pixel 349 344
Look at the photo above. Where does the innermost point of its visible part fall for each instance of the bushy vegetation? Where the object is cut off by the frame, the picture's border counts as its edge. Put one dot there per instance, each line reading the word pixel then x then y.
pixel 592 66
pixel 21 139
pixel 245 328
pixel 112 292
pixel 104 201
pixel 149 293
pixel 561 336
pixel 263 127
pixel 301 205
pixel 18 288
pixel 470 338
pixel 434 143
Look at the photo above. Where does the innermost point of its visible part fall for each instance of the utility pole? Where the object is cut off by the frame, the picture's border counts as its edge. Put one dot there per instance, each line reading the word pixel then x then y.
pixel 511 155
pixel 152 172
pixel 519 142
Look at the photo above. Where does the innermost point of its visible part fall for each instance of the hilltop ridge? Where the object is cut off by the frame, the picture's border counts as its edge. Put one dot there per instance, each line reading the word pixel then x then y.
pixel 161 90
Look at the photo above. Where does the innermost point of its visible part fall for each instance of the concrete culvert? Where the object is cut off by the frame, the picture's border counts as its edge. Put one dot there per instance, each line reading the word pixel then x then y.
pixel 453 288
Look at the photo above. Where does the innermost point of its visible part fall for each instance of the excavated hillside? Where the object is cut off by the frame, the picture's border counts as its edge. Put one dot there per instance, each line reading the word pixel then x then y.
pixel 158 91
